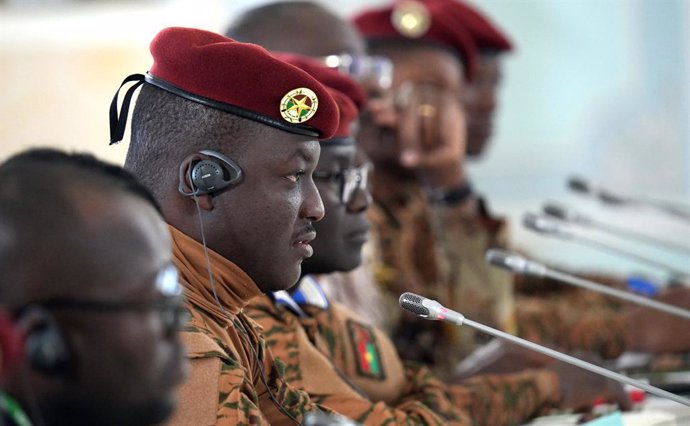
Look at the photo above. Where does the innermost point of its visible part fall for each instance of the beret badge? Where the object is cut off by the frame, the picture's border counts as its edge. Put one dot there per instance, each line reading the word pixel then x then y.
pixel 299 105
pixel 411 18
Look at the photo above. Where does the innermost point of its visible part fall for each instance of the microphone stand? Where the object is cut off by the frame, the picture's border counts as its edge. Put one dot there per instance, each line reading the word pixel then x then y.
pixel 519 265
pixel 545 226
pixel 568 215
pixel 431 309
pixel 577 362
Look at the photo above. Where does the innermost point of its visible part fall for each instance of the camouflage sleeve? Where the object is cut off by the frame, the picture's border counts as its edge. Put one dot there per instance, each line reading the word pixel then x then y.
pixel 424 386
pixel 506 399
pixel 572 322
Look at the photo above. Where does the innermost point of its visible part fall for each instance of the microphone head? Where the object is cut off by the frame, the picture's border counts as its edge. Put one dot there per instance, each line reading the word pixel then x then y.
pixel 609 198
pixel 512 262
pixel 413 303
pixel 555 210
pixel 497 257
pixel 578 184
pixel 540 224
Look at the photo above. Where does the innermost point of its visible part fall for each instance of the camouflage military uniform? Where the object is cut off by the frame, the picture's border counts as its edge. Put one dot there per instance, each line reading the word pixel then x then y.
pixel 369 360
pixel 438 251
pixel 232 372
pixel 411 231
pixel 307 368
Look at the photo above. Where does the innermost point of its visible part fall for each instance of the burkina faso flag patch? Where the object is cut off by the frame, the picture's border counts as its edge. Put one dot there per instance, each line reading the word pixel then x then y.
pixel 366 350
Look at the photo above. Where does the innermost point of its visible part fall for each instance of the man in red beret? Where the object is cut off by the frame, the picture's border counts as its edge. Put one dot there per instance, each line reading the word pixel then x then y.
pixel 330 255
pixel 341 177
pixel 480 97
pixel 417 145
pixel 226 137
pixel 328 38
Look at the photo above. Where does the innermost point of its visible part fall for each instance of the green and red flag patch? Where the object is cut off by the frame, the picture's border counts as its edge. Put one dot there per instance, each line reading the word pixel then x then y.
pixel 366 351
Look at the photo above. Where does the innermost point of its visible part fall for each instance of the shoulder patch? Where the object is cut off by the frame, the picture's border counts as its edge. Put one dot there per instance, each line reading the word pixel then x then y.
pixel 366 351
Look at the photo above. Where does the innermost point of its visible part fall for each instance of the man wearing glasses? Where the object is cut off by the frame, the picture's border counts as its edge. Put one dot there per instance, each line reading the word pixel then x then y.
pixel 341 178
pixel 91 305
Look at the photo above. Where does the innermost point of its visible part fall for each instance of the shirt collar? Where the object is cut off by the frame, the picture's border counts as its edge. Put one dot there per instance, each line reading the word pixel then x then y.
pixel 307 292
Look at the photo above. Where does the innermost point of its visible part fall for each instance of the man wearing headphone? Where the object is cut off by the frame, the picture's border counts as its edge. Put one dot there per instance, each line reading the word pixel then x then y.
pixel 91 305
pixel 227 138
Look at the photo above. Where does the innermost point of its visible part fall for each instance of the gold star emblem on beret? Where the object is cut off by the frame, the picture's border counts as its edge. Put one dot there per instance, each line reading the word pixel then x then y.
pixel 299 105
pixel 411 18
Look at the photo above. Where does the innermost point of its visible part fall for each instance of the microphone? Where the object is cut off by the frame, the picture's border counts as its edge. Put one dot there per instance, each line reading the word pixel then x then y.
pixel 548 226
pixel 569 215
pixel 520 265
pixel 580 185
pixel 431 309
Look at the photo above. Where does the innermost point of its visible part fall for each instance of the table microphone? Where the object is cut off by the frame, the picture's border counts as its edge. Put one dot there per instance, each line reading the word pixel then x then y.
pixel 432 310
pixel 549 226
pixel 520 265
pixel 580 185
pixel 569 215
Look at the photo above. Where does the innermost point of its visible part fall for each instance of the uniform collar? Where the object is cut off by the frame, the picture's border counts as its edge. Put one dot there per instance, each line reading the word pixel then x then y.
pixel 307 292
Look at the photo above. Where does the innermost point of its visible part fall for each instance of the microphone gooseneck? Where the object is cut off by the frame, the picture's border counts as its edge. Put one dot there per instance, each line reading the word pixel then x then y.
pixel 546 226
pixel 520 265
pixel 569 215
pixel 415 303
pixel 677 211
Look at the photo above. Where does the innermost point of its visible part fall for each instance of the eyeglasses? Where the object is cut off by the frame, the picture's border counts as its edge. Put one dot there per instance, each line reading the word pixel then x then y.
pixel 170 307
pixel 376 70
pixel 349 179
pixel 172 313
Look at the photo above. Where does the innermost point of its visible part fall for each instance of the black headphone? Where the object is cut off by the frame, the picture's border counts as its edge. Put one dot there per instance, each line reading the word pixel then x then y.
pixel 210 176
pixel 46 348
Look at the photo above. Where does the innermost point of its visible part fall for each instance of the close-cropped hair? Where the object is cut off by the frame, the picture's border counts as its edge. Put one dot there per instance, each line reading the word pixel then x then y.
pixel 166 128
pixel 61 162
pixel 42 219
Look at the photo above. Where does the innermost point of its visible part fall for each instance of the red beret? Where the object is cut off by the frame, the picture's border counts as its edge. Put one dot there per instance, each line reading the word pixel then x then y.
pixel 348 114
pixel 330 77
pixel 485 34
pixel 410 19
pixel 348 94
pixel 240 78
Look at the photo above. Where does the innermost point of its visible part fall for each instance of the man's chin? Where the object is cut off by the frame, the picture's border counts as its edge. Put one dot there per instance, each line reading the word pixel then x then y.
pixel 285 282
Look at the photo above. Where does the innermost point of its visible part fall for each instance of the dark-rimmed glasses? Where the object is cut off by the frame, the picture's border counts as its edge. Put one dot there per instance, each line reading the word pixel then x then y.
pixel 170 307
pixel 349 179
pixel 172 312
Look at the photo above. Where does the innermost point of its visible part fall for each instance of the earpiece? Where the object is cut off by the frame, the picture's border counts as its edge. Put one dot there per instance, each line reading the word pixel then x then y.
pixel 46 348
pixel 210 176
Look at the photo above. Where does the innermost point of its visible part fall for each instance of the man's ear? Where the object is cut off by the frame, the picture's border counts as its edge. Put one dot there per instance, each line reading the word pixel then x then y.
pixel 186 186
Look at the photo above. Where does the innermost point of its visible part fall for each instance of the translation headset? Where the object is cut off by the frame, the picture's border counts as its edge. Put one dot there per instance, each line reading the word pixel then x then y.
pixel 44 349
pixel 210 176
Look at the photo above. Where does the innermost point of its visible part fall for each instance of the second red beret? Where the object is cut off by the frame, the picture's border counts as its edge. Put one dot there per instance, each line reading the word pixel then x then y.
pixel 410 19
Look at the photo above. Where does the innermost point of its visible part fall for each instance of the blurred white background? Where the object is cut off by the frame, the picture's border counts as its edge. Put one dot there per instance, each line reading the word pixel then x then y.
pixel 598 88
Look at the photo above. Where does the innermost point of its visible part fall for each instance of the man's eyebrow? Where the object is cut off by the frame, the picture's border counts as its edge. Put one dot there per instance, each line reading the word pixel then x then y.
pixel 304 154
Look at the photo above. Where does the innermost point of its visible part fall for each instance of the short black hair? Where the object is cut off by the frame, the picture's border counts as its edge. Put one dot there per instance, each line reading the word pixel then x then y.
pixel 40 222
pixel 254 23
pixel 166 128
pixel 115 176
pixel 322 32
